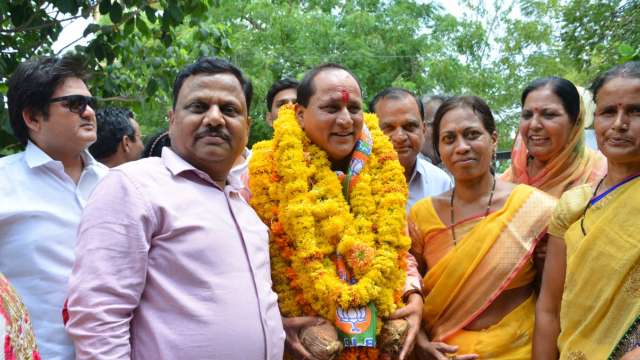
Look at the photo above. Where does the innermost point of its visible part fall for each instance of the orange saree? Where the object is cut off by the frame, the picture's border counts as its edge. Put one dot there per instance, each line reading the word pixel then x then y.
pixel 492 255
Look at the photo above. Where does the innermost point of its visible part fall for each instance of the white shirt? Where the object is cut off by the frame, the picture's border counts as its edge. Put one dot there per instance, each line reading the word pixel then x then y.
pixel 427 180
pixel 39 215
pixel 239 175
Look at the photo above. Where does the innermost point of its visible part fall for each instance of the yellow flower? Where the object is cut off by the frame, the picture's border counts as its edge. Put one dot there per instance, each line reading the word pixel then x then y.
pixel 295 191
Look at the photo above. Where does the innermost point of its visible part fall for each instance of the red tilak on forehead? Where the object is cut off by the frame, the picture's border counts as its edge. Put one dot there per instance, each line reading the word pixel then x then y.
pixel 345 96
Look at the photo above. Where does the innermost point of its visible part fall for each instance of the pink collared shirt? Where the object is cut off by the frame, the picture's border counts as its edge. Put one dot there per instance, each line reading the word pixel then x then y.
pixel 170 266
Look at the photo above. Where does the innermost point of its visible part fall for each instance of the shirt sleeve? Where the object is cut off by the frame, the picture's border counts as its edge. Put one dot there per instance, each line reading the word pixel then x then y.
pixel 413 281
pixel 569 209
pixel 109 273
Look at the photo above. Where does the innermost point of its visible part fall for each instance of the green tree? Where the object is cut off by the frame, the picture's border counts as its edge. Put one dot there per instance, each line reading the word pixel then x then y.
pixel 492 51
pixel 29 28
pixel 598 34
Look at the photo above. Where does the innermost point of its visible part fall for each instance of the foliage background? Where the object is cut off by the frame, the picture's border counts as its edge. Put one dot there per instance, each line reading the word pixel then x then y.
pixel 493 50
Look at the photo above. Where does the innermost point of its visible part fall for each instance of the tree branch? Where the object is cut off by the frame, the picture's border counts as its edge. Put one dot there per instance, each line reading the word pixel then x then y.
pixel 37 27
pixel 69 44
pixel 124 98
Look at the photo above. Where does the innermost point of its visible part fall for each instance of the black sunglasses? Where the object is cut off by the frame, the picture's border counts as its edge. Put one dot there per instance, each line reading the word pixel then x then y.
pixel 77 103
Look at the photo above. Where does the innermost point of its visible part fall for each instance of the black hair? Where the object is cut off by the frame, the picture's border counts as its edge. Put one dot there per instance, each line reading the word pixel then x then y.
pixel 213 65
pixel 476 104
pixel 278 86
pixel 306 88
pixel 630 69
pixel 396 94
pixel 563 88
pixel 113 124
pixel 32 85
pixel 155 143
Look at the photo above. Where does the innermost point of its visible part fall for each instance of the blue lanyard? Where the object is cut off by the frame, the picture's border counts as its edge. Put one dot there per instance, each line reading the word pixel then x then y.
pixel 595 199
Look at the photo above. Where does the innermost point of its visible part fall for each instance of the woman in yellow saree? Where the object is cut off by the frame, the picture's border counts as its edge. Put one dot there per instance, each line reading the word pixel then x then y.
pixel 593 312
pixel 476 242
pixel 549 152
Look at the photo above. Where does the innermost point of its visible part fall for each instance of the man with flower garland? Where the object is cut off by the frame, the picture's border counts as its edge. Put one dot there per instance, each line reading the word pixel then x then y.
pixel 171 262
pixel 330 187
pixel 401 117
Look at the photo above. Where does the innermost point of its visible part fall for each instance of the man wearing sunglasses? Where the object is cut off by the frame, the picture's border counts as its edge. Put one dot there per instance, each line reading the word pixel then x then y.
pixel 44 189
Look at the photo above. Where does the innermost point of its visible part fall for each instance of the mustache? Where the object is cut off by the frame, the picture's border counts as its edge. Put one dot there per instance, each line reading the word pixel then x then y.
pixel 209 131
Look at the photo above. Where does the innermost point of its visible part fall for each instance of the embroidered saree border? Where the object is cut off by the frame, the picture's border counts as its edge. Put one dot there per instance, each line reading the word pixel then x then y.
pixel 516 229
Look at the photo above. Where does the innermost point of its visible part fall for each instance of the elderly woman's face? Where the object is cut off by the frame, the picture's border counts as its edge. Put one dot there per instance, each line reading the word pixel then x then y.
pixel 333 118
pixel 544 124
pixel 617 120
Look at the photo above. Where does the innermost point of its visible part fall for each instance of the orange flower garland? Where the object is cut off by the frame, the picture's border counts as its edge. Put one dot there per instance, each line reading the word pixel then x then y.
pixel 296 193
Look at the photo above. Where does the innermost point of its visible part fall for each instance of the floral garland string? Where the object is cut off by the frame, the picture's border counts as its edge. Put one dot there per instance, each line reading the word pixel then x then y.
pixel 297 194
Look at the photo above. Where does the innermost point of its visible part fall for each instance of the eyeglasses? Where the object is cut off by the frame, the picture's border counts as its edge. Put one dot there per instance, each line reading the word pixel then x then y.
pixel 77 103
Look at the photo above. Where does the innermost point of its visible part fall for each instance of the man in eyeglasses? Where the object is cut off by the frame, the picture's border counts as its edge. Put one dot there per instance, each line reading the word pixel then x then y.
pixel 44 189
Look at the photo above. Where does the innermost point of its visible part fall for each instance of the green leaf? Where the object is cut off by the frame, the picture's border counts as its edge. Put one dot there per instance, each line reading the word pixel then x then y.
pixel 626 51
pixel 142 26
pixel 175 13
pixel 116 12
pixel 18 15
pixel 90 29
pixel 105 7
pixel 105 29
pixel 67 6
pixel 129 26
pixel 99 50
pixel 151 13
pixel 152 87
pixel 110 55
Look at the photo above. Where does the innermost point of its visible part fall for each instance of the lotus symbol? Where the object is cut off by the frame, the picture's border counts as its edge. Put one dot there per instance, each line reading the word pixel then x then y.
pixel 353 317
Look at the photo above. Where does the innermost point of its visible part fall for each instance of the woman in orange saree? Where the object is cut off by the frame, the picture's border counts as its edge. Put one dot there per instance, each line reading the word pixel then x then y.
pixel 549 152
pixel 476 243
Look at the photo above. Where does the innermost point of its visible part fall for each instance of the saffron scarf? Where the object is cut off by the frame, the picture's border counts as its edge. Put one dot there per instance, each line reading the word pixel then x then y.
pixel 576 165
pixel 488 259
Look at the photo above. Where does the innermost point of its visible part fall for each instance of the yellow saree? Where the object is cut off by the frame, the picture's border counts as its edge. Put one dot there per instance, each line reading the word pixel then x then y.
pixel 493 255
pixel 601 299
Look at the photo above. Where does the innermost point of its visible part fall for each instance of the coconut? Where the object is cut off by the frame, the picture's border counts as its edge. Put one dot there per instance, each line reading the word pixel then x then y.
pixel 392 337
pixel 321 341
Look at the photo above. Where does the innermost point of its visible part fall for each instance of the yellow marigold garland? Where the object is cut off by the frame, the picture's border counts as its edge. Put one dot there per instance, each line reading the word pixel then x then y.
pixel 296 193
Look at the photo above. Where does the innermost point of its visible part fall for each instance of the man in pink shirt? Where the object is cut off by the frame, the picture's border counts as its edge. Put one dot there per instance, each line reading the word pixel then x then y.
pixel 171 262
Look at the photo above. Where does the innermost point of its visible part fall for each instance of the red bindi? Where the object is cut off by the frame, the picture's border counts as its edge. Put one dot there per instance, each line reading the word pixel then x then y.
pixel 345 96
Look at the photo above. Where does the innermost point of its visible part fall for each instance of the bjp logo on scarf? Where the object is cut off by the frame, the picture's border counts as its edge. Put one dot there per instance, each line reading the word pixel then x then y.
pixel 353 321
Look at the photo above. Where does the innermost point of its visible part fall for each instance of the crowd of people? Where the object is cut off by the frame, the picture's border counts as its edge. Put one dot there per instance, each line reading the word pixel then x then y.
pixel 348 235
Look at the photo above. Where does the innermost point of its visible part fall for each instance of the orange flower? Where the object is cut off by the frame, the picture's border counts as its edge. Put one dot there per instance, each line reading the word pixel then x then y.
pixel 360 257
